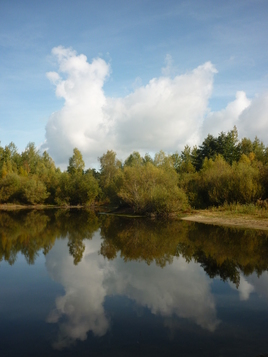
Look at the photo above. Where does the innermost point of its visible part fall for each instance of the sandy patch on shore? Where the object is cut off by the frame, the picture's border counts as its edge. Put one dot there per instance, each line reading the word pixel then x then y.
pixel 244 221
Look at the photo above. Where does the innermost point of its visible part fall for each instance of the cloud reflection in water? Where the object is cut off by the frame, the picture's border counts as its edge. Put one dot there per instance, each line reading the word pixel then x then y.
pixel 181 289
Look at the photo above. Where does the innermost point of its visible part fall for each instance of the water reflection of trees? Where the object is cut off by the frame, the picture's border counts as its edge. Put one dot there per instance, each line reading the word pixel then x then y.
pixel 222 252
pixel 226 251
pixel 28 232
pixel 141 240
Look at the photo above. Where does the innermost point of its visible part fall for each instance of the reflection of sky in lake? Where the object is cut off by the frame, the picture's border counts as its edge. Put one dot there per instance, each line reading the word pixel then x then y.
pixel 180 289
pixel 251 284
pixel 99 301
pixel 82 303
pixel 26 290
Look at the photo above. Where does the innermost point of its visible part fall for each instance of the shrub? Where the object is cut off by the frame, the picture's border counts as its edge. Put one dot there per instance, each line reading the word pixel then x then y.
pixel 151 189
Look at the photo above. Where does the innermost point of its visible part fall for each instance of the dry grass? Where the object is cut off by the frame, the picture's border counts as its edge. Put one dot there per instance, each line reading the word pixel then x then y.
pixel 235 215
pixel 238 209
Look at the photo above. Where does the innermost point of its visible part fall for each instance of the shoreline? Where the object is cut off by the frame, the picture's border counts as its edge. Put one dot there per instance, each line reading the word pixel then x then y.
pixel 220 219
pixel 16 207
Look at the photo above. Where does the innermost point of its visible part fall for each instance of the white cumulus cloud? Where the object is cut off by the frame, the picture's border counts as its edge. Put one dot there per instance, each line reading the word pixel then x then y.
pixel 165 114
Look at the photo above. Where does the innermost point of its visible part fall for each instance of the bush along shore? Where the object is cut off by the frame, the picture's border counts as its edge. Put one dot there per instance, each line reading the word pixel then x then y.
pixel 223 172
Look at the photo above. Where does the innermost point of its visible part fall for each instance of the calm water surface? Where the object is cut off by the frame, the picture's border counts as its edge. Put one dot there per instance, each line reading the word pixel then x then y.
pixel 73 283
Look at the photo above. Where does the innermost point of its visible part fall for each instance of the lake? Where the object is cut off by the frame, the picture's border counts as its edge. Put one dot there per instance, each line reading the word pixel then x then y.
pixel 76 283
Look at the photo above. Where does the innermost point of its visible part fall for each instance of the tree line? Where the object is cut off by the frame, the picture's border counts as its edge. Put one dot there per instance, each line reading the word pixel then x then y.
pixel 222 169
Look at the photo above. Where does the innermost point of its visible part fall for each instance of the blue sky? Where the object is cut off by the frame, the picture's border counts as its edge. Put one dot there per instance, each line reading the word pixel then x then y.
pixel 143 47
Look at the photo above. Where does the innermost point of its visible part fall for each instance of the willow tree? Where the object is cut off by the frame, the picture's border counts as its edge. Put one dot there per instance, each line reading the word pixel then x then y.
pixel 151 189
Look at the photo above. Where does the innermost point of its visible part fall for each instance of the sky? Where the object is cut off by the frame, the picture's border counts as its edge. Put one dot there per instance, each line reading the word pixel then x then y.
pixel 143 75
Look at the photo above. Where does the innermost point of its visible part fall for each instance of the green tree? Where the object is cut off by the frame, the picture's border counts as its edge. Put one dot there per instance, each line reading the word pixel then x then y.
pixel 10 188
pixel 246 183
pixel 163 160
pixel 83 189
pixel 259 150
pixel 208 149
pixel 215 181
pixel 264 180
pixel 246 146
pixel 109 175
pixel 147 158
pixel 151 189
pixel 218 182
pixel 186 164
pixel 49 175
pixel 34 191
pixel 62 194
pixel 76 163
pixel 4 170
pixel 226 145
pixel 30 159
pixel 134 159
pixel 10 156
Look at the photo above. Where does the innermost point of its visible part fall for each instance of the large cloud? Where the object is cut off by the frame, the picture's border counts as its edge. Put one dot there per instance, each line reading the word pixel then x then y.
pixel 167 113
